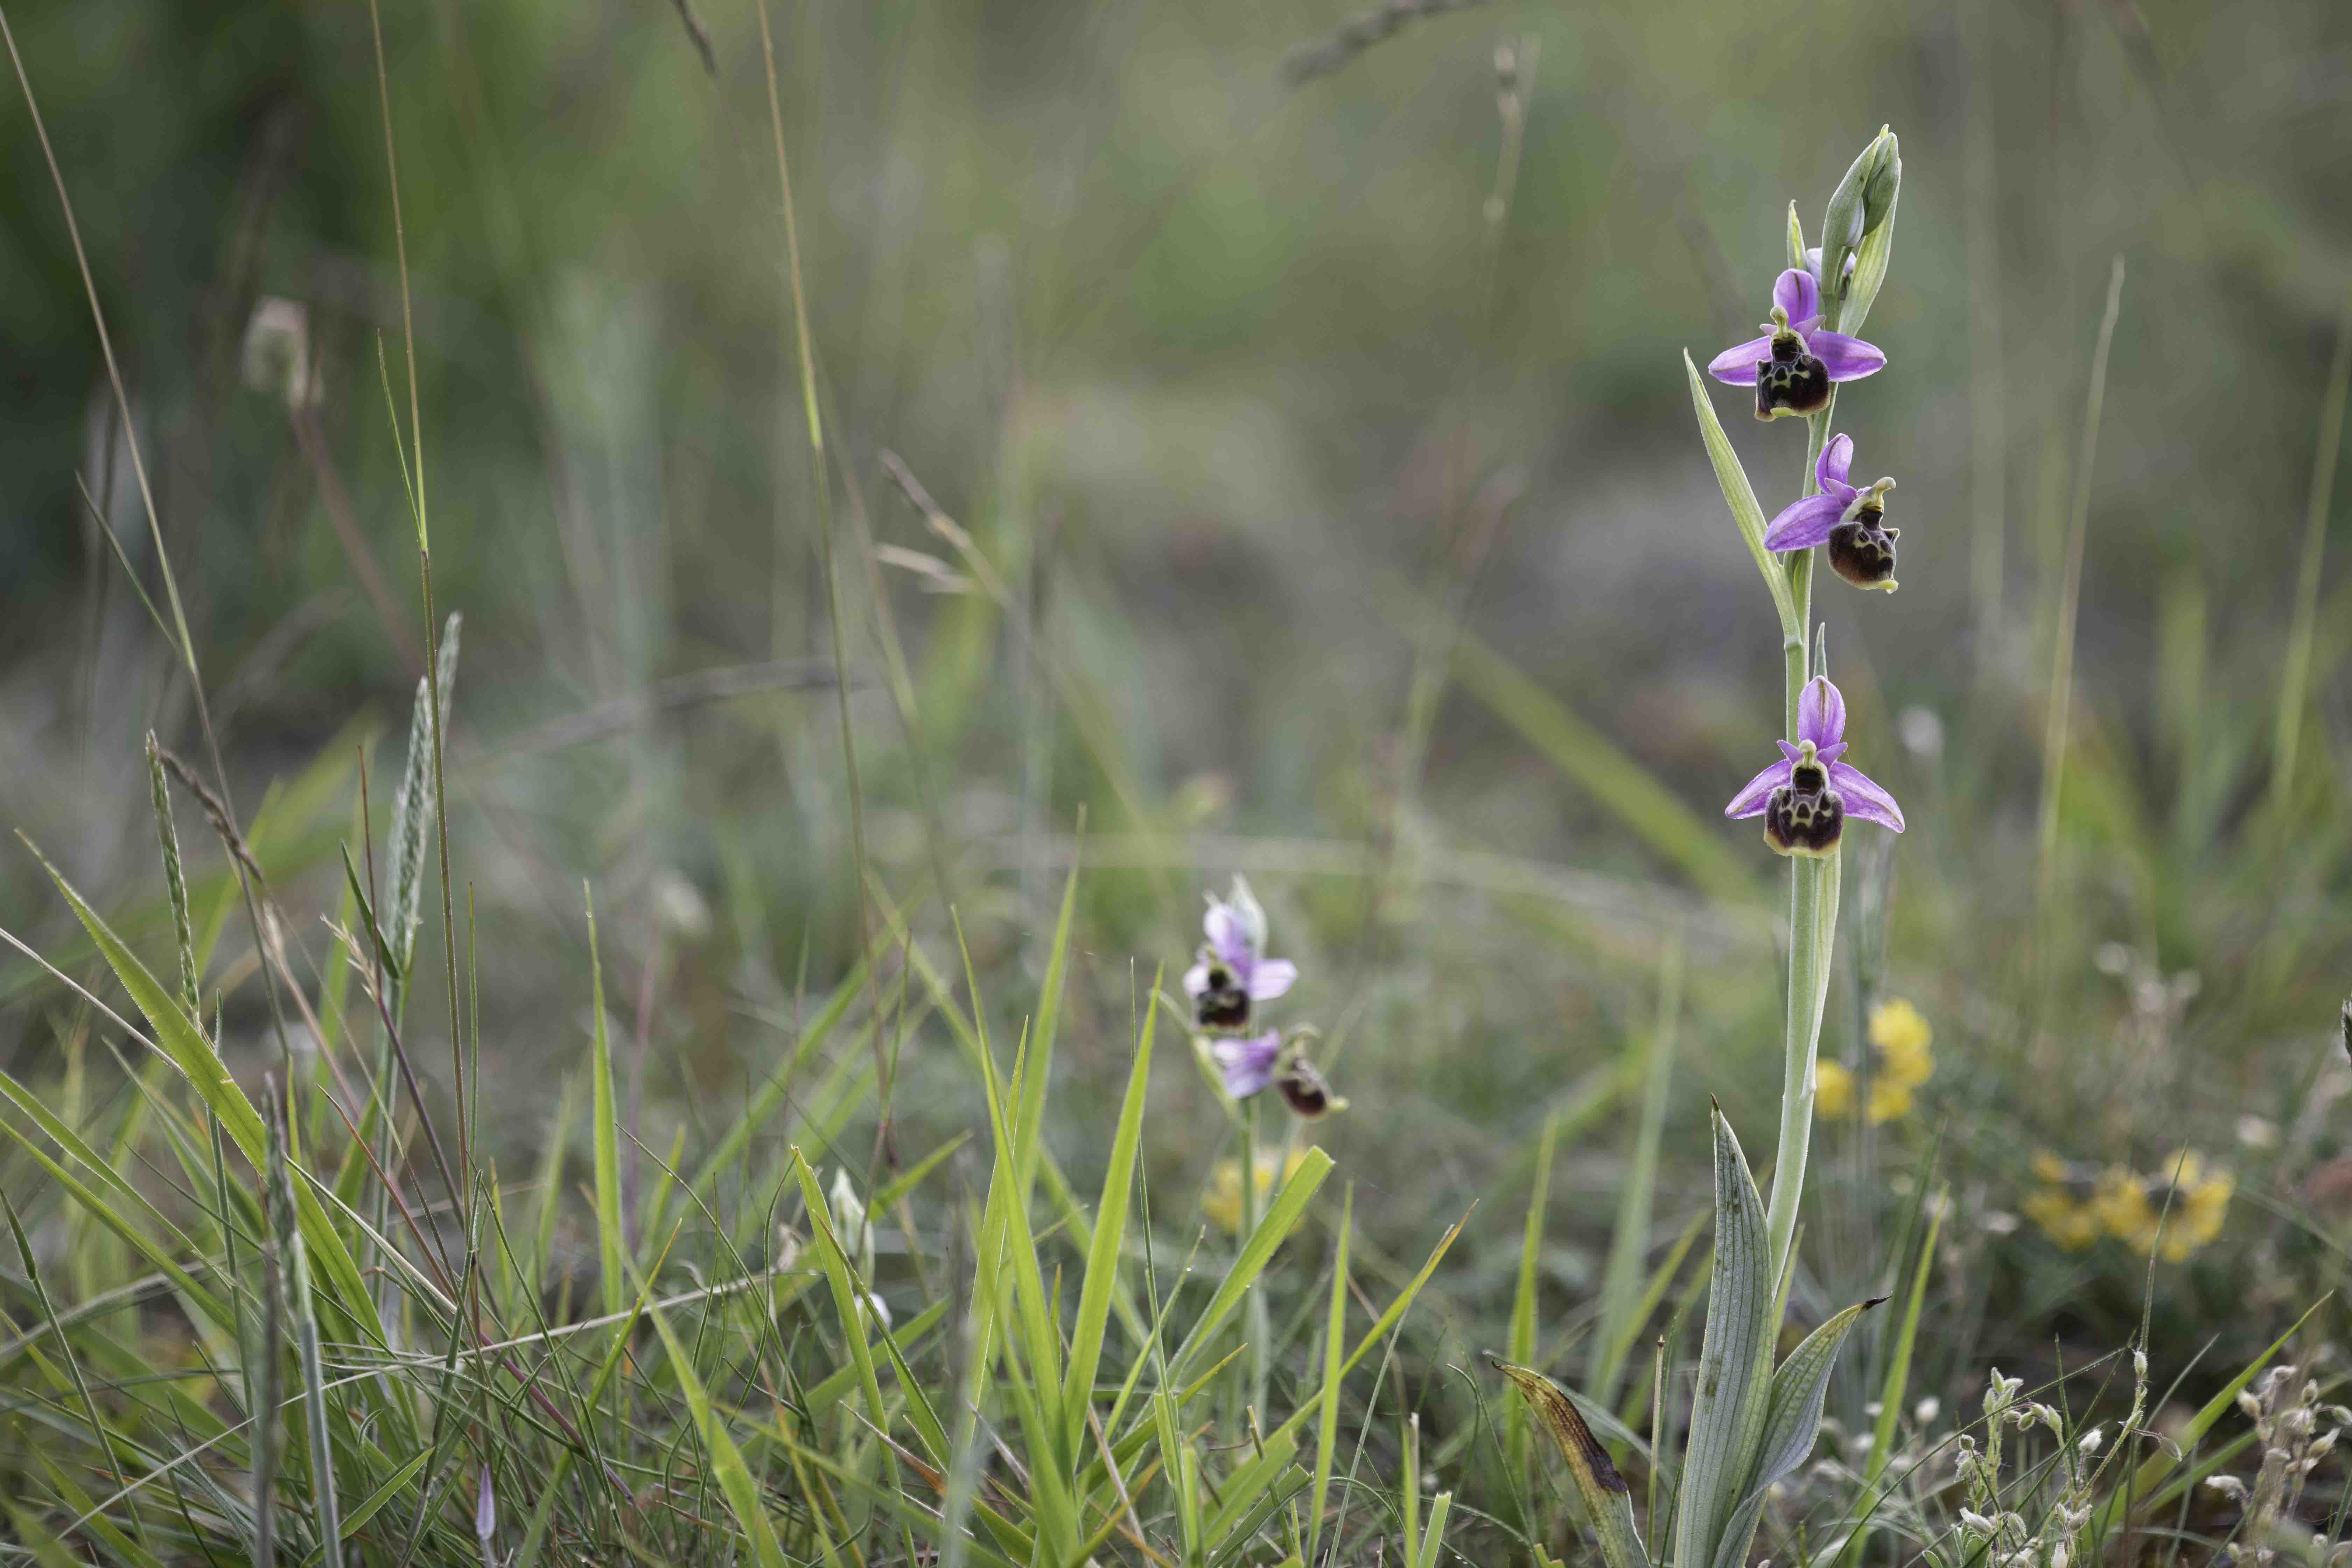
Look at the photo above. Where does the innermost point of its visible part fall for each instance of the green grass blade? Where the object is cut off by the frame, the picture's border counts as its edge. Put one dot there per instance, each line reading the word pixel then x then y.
pixel 1434 1535
pixel 177 1035
pixel 1615 782
pixel 1621 1281
pixel 848 1292
pixel 725 1461
pixel 1334 1334
pixel 1281 1216
pixel 1521 1345
pixel 774 1094
pixel 327 1510
pixel 605 1131
pixel 1896 1385
pixel 1111 1234
pixel 2156 1465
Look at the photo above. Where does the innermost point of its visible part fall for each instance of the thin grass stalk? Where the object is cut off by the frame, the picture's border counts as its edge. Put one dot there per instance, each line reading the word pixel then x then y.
pixel 1979 217
pixel 287 1239
pixel 414 465
pixel 2294 680
pixel 2070 594
pixel 821 476
pixel 1522 1341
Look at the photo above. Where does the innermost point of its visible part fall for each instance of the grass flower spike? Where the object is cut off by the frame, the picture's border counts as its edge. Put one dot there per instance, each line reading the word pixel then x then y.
pixel 1806 796
pixel 1232 971
pixel 1851 521
pixel 1793 365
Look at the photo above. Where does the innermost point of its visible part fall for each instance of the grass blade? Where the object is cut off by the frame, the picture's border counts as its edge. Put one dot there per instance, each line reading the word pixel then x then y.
pixel 1110 1233
pixel 1620 1280
pixel 604 1130
pixel 735 1482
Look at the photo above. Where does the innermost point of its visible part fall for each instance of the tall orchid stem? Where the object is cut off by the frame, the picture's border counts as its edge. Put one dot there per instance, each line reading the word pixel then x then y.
pixel 1813 887
pixel 1256 1320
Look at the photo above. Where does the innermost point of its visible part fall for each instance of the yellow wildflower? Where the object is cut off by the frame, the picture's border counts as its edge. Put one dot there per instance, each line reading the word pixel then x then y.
pixel 1901 1039
pixel 2120 1203
pixel 1832 1089
pixel 2131 1207
pixel 2070 1225
pixel 2200 1200
pixel 1222 1202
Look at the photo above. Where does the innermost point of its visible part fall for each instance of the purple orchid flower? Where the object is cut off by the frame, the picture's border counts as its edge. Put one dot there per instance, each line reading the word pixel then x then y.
pixel 1806 796
pixel 1232 971
pixel 1851 521
pixel 1793 365
pixel 1246 1061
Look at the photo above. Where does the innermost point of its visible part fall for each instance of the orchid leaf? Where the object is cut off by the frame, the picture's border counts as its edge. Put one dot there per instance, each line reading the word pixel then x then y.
pixel 1728 1413
pixel 1740 496
pixel 1608 1501
pixel 1791 1422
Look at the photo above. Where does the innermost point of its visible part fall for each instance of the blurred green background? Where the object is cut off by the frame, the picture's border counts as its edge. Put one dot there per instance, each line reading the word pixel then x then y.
pixel 1346 525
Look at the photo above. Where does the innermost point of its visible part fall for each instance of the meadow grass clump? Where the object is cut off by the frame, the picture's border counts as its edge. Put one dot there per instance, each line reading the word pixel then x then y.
pixel 1005 1218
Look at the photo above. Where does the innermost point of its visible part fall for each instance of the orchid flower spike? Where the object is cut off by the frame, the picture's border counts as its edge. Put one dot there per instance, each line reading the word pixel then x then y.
pixel 1232 970
pixel 1851 521
pixel 1793 365
pixel 1806 796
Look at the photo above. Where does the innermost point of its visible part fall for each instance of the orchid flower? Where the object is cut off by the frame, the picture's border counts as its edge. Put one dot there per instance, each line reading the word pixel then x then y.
pixel 1793 365
pixel 1806 796
pixel 1232 971
pixel 1246 1061
pixel 1851 521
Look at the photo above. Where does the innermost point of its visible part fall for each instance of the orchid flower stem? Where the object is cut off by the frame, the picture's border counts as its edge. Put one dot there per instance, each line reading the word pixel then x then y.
pixel 1254 1320
pixel 1812 914
pixel 1812 931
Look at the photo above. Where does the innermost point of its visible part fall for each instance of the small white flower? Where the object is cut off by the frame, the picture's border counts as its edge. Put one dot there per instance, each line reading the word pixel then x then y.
pixel 2091 1441
pixel 1976 1523
pixel 2230 1486
pixel 1927 1410
pixel 2257 1131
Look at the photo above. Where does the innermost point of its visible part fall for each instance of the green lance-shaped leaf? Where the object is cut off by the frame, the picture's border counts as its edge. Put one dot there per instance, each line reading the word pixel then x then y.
pixel 1791 1422
pixel 1608 1501
pixel 1728 1413
pixel 411 808
pixel 1740 496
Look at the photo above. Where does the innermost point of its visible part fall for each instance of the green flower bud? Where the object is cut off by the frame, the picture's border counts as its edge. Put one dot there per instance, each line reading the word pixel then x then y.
pixel 1863 205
